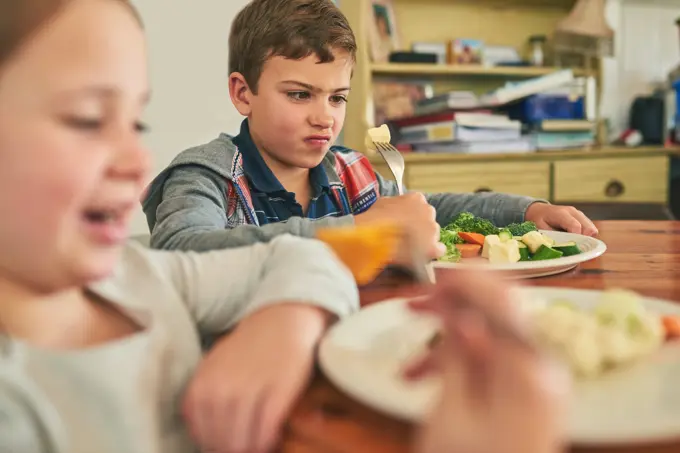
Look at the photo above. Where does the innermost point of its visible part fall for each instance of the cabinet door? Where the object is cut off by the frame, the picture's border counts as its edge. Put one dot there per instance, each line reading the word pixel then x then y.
pixel 622 180
pixel 520 178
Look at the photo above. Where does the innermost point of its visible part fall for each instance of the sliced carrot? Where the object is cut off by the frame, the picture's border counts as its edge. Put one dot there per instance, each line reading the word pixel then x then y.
pixel 469 250
pixel 472 238
pixel 671 325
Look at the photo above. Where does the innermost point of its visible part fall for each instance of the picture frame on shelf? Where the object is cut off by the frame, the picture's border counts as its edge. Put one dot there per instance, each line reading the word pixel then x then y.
pixel 465 51
pixel 395 99
pixel 383 30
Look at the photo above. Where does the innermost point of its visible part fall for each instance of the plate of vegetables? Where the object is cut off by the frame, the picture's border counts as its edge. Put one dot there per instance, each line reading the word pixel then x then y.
pixel 622 348
pixel 520 249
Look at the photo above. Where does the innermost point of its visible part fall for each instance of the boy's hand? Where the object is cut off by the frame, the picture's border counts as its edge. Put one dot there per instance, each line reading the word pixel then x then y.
pixel 246 385
pixel 566 218
pixel 413 213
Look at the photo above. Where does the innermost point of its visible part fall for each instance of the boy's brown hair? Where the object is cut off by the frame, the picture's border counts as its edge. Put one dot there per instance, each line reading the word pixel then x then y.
pixel 292 29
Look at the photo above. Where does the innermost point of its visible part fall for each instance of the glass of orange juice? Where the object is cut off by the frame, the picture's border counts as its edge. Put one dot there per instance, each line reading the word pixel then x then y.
pixel 368 249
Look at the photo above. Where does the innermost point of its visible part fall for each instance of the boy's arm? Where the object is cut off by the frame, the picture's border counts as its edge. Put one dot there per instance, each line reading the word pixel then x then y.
pixel 193 216
pixel 500 208
pixel 223 287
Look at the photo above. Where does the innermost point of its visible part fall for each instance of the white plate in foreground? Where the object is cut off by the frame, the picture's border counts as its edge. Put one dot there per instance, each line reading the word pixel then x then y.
pixel 591 248
pixel 363 356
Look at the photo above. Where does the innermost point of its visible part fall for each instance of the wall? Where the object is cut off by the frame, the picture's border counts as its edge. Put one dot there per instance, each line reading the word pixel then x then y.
pixel 647 49
pixel 188 54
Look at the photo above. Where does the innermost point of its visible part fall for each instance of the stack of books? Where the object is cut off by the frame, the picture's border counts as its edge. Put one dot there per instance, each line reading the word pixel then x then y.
pixel 462 122
pixel 554 135
pixel 470 132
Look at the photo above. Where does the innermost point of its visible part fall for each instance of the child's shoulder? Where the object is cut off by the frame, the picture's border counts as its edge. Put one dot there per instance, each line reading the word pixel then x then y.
pixel 217 154
pixel 140 271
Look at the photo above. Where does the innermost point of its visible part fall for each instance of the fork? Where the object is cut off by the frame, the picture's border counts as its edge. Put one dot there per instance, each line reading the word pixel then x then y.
pixel 395 162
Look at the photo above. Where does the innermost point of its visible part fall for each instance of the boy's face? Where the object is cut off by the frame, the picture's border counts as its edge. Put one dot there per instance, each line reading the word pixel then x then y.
pixel 299 109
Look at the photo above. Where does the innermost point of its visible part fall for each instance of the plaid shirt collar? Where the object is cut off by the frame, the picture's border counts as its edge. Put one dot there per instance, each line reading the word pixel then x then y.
pixel 260 175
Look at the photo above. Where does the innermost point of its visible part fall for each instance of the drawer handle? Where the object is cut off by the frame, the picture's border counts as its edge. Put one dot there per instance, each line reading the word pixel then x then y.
pixel 483 189
pixel 615 188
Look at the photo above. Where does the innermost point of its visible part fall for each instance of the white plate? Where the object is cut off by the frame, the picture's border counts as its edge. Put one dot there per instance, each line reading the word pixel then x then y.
pixel 363 356
pixel 591 248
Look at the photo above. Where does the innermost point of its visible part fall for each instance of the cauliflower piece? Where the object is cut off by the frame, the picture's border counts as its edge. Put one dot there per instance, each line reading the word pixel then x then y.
pixel 377 134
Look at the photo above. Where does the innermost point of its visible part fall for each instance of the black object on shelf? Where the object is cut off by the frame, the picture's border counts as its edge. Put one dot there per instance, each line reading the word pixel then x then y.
pixel 413 57
pixel 648 115
pixel 674 187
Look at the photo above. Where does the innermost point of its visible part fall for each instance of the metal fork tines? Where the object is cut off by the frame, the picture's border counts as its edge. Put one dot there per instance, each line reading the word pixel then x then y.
pixel 395 162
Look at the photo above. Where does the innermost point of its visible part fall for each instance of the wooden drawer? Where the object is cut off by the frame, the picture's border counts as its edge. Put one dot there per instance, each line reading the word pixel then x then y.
pixel 521 178
pixel 616 180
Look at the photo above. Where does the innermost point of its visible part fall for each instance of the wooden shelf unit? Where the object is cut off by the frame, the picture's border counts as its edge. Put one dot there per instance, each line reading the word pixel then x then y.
pixel 580 176
pixel 496 22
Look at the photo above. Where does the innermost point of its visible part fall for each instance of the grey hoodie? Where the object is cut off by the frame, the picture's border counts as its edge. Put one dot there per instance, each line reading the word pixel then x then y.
pixel 186 204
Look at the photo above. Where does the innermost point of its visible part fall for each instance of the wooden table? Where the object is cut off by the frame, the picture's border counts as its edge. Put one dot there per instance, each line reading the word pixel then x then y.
pixel 642 256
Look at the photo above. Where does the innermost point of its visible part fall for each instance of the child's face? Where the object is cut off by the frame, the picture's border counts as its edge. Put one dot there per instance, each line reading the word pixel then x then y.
pixel 299 108
pixel 72 165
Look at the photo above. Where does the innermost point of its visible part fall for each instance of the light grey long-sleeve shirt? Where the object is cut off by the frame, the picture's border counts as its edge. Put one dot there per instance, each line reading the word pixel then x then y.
pixel 124 396
pixel 186 204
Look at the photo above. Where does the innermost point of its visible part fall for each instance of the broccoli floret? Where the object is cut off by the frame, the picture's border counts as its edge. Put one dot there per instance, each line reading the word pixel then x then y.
pixel 463 218
pixel 452 255
pixel 485 227
pixel 449 237
pixel 520 229
pixel 469 223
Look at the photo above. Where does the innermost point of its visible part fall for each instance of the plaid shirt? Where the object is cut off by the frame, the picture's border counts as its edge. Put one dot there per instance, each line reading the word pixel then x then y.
pixel 354 187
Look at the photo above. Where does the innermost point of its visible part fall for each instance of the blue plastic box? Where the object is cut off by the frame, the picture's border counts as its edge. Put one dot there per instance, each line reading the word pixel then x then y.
pixel 676 87
pixel 539 107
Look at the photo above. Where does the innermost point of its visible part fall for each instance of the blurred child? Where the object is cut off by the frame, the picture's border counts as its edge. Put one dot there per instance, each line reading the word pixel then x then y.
pixel 100 341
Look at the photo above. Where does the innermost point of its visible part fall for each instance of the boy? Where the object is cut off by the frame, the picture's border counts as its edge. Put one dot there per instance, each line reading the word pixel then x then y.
pixel 290 64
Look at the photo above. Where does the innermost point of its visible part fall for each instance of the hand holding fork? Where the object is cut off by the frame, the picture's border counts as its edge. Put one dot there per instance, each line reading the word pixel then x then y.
pixel 395 162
